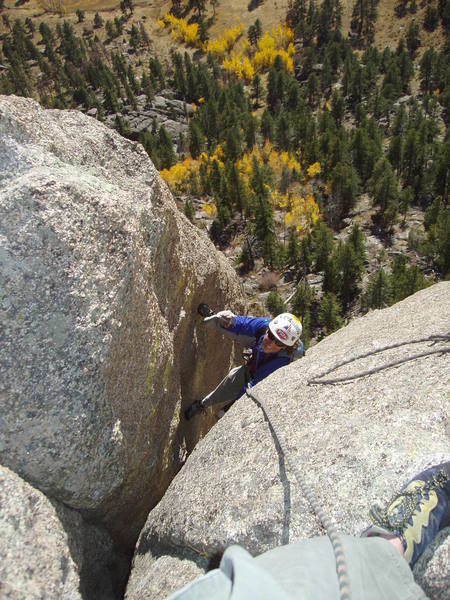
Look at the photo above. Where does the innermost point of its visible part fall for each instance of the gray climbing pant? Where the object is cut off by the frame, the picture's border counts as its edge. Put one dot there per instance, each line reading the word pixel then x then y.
pixel 230 388
pixel 306 570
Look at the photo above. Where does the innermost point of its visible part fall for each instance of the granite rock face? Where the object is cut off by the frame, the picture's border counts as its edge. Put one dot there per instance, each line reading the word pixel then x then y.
pixel 355 444
pixel 35 561
pixel 100 276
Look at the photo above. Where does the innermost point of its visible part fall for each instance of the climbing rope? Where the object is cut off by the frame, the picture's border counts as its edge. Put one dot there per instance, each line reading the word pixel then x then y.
pixel 318 380
pixel 327 523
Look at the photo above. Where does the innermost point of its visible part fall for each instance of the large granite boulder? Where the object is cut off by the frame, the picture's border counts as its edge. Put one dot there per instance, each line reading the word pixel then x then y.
pixel 354 442
pixel 35 560
pixel 100 276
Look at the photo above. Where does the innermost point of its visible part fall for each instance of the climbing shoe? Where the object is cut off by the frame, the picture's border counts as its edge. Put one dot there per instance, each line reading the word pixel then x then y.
pixel 204 310
pixel 193 409
pixel 415 515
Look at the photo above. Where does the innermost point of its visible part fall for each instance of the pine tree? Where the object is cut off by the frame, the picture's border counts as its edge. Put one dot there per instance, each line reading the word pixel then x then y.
pixel 98 21
pixel 365 152
pixel 330 313
pixel 267 126
pixel 195 136
pixel 356 239
pixel 165 149
pixel 406 198
pixel 265 229
pixel 322 237
pixel 384 186
pixel 30 25
pixel 395 153
pixel 427 70
pixel 293 252
pixel 131 98
pixel 363 19
pixel 441 179
pixel 302 300
pixel 189 211
pixel 350 267
pixel 121 126
pixel 257 89
pixel 179 78
pixel 337 107
pixel 313 88
pixel 146 87
pixel 109 28
pixel 143 34
pixel 331 275
pixel 378 291
pixel 235 186
pixel 233 143
pixel 437 245
pixel 412 39
pixel 272 90
pixel 110 103
pixel 135 37
pixel 275 303
pixel 157 71
pixel 306 254
pixel 282 135
pixel 118 22
pixel 431 18
pixel 132 80
pixel 258 29
pixel 344 187
pixel 301 306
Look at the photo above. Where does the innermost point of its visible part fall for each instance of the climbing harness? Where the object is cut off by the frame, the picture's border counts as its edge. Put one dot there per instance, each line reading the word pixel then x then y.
pixel 326 521
pixel 318 380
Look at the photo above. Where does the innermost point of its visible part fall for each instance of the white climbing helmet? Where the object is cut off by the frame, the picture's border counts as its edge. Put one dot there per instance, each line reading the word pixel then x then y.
pixel 286 328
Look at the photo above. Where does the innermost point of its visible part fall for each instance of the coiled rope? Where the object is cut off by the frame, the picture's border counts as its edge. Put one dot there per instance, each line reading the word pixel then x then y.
pixel 318 380
pixel 327 523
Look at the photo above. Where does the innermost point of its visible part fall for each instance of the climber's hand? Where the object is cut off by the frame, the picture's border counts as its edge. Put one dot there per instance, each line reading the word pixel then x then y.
pixel 226 318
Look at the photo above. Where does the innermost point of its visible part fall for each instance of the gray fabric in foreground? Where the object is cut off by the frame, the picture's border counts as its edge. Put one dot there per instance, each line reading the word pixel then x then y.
pixel 306 571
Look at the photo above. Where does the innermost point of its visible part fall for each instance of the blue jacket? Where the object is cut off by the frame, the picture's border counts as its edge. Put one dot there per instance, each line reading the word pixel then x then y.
pixel 262 364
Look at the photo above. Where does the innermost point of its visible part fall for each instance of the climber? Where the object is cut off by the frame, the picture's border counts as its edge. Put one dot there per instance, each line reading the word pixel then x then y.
pixel 378 563
pixel 273 344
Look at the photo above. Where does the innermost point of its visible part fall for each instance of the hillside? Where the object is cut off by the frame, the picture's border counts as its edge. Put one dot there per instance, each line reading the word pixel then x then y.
pixel 315 154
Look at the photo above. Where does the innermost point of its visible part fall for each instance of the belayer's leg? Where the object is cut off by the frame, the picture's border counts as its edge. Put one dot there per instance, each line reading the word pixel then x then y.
pixel 229 389
pixel 417 513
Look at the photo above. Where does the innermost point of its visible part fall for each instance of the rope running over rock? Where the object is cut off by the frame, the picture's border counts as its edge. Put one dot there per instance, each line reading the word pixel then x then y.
pixel 432 338
pixel 328 524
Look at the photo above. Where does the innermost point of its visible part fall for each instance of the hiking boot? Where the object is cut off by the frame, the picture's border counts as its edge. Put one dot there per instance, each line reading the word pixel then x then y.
pixel 204 310
pixel 414 516
pixel 193 409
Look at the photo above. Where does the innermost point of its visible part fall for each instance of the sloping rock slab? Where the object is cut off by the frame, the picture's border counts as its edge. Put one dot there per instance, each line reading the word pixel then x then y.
pixel 100 276
pixel 35 560
pixel 355 444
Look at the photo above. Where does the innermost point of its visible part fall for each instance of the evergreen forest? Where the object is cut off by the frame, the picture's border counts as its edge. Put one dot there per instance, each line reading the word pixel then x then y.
pixel 316 160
